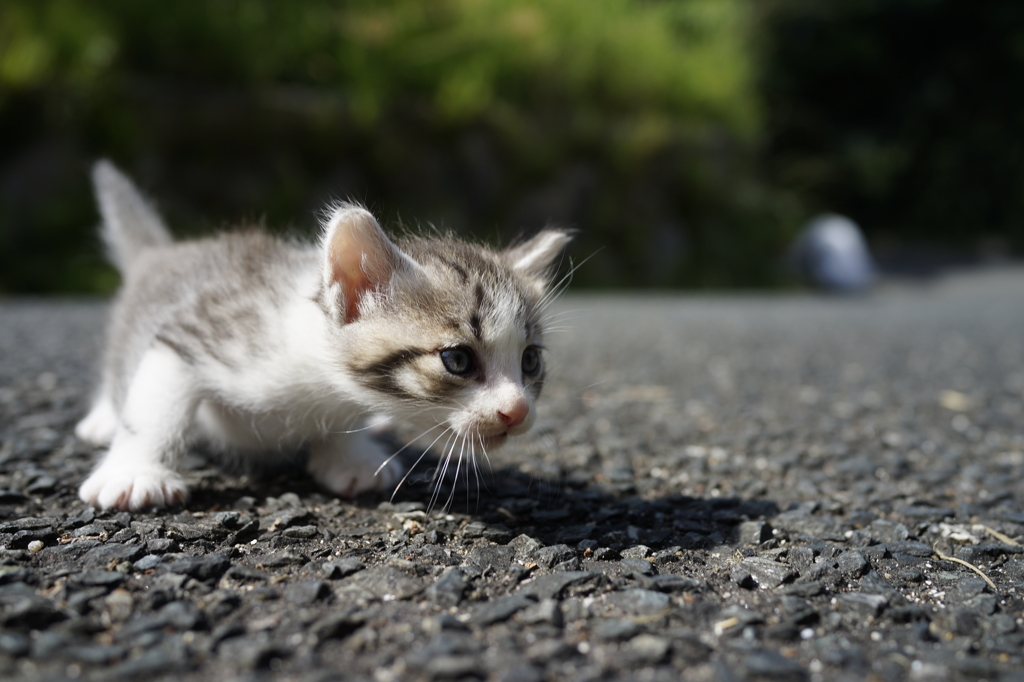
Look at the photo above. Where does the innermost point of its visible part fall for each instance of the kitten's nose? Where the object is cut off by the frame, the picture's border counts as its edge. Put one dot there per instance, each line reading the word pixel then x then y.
pixel 513 415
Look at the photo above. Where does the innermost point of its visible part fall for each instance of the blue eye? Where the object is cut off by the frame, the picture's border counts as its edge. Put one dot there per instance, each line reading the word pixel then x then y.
pixel 531 361
pixel 458 361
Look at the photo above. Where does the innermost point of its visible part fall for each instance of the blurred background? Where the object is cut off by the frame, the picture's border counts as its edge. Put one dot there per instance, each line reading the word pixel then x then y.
pixel 688 140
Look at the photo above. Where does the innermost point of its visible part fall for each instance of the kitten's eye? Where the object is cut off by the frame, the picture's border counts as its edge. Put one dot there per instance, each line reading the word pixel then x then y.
pixel 458 360
pixel 531 361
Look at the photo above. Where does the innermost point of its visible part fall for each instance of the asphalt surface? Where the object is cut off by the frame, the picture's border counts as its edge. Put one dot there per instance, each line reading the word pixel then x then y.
pixel 719 488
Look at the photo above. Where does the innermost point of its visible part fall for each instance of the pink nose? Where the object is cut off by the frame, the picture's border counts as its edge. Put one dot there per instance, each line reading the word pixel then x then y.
pixel 513 415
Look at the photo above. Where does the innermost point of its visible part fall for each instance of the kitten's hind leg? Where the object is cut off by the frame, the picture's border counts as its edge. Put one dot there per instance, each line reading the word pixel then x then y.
pixel 98 427
pixel 136 472
pixel 348 464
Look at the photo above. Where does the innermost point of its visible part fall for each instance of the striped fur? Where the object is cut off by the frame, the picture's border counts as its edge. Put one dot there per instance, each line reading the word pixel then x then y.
pixel 257 346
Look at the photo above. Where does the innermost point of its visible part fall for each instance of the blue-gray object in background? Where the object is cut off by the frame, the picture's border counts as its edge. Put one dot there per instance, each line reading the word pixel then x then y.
pixel 832 254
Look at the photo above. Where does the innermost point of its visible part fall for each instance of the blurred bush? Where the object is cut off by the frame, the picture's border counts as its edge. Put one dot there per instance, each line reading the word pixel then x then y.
pixel 687 139
pixel 634 121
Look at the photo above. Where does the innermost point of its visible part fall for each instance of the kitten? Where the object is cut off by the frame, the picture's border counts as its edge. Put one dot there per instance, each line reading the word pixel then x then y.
pixel 257 346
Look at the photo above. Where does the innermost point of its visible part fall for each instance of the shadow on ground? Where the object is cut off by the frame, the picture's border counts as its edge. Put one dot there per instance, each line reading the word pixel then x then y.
pixel 510 502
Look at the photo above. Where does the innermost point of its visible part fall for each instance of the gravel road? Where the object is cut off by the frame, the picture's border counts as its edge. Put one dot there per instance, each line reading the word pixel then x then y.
pixel 720 488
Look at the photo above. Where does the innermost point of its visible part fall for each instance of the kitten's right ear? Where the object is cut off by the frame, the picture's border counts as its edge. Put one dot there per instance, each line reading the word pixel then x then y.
pixel 535 258
pixel 358 258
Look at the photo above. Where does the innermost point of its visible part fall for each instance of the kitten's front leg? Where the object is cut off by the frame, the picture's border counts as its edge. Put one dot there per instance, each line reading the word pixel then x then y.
pixel 151 434
pixel 347 464
pixel 99 426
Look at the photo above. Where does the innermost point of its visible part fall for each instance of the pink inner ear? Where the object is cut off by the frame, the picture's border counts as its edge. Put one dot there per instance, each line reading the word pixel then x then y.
pixel 347 271
pixel 360 259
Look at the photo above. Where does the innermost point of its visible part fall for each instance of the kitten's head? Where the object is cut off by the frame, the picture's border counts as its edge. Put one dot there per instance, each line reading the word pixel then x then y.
pixel 440 332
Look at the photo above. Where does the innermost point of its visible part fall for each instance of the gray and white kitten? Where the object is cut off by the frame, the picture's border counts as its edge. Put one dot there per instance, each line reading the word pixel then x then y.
pixel 257 346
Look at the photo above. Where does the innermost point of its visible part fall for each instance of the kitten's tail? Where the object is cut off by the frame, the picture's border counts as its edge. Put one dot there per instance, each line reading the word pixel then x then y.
pixel 130 223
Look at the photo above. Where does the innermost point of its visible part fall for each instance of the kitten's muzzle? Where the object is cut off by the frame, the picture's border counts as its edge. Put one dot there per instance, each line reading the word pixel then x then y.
pixel 514 415
pixel 494 441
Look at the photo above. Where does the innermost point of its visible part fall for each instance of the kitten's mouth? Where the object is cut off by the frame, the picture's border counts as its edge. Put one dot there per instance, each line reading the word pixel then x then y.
pixel 493 441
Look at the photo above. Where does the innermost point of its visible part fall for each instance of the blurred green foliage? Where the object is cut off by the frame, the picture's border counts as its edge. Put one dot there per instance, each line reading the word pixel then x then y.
pixel 632 120
pixel 687 139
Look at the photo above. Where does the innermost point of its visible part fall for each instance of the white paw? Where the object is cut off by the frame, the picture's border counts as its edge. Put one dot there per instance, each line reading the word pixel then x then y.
pixel 348 475
pixel 99 425
pixel 133 489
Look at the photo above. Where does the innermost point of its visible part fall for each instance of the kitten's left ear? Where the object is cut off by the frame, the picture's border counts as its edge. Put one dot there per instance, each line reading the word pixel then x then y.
pixel 358 258
pixel 535 258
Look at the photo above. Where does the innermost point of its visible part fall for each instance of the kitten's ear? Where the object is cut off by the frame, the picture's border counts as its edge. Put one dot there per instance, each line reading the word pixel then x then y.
pixel 358 258
pixel 535 258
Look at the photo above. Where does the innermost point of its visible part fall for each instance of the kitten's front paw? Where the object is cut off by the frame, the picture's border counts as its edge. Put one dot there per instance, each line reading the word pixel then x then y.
pixel 99 425
pixel 348 474
pixel 133 489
